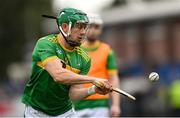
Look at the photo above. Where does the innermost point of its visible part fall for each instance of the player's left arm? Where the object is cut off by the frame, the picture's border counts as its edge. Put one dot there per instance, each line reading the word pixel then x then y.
pixel 78 92
pixel 115 81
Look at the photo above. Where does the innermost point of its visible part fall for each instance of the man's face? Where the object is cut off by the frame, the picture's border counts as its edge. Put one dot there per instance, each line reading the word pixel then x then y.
pixel 78 32
pixel 94 32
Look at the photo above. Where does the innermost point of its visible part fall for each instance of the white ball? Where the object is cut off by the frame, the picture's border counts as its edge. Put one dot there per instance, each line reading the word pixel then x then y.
pixel 153 76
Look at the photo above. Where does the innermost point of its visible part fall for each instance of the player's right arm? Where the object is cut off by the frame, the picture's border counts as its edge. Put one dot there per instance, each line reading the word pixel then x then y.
pixel 65 76
pixel 45 53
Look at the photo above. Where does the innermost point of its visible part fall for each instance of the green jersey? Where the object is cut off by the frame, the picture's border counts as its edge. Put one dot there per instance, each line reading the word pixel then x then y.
pixel 41 91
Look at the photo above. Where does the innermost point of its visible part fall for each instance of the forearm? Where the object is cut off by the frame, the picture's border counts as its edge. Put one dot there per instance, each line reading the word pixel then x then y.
pixel 68 77
pixel 80 93
pixel 65 76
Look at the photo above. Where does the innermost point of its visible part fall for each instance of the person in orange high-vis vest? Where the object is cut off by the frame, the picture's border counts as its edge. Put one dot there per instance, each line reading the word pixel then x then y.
pixel 103 65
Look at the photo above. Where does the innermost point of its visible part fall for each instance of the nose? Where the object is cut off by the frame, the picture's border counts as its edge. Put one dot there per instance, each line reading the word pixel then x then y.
pixel 83 31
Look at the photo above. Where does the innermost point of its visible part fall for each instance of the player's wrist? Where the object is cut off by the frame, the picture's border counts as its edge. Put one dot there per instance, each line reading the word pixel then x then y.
pixel 97 83
pixel 90 79
pixel 91 90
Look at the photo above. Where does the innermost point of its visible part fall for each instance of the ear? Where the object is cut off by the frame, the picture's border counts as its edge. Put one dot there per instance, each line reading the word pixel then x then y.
pixel 65 27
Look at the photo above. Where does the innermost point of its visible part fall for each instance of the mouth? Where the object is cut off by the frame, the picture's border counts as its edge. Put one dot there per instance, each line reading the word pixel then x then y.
pixel 80 38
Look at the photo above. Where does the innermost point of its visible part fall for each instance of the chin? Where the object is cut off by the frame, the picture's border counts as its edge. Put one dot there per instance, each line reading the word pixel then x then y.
pixel 78 44
pixel 92 40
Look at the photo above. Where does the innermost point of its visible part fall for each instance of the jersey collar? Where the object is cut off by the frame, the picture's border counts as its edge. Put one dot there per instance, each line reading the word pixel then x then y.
pixel 61 44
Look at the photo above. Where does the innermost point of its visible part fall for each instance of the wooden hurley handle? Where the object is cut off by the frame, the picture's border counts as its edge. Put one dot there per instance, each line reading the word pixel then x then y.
pixel 124 93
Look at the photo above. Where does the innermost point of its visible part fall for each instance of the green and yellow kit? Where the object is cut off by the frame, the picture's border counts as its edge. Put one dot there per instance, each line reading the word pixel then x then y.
pixel 41 91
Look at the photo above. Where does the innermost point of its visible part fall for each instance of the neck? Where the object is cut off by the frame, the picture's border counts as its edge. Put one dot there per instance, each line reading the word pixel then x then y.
pixel 63 42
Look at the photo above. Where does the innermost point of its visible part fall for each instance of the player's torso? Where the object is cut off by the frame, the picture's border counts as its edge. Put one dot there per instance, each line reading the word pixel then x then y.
pixel 71 59
pixel 45 92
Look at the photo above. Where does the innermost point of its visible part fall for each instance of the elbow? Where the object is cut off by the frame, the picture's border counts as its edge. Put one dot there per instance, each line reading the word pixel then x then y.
pixel 62 76
pixel 56 79
pixel 59 77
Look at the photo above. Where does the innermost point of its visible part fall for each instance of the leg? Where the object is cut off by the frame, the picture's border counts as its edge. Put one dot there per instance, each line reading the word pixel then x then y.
pixel 100 112
pixel 30 112
pixel 84 113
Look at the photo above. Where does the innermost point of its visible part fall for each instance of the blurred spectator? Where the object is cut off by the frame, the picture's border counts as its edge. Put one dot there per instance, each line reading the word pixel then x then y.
pixel 174 93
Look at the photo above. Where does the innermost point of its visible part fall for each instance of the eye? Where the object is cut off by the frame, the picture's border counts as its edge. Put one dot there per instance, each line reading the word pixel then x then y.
pixel 81 26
